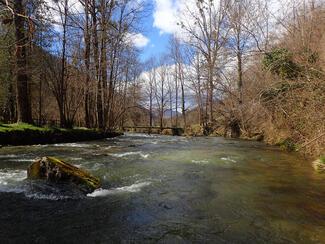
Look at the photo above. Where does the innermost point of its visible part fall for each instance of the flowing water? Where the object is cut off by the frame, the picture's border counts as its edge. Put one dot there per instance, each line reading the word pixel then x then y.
pixel 167 190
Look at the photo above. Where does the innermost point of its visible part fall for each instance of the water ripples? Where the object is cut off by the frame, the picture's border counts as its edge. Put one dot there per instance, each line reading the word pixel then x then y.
pixel 126 154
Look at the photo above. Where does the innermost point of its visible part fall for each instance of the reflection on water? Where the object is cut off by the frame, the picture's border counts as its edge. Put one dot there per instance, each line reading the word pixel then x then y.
pixel 165 189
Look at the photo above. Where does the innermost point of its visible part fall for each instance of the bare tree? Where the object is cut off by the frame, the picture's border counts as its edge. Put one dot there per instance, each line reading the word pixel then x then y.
pixel 179 76
pixel 150 82
pixel 207 33
pixel 17 10
pixel 161 95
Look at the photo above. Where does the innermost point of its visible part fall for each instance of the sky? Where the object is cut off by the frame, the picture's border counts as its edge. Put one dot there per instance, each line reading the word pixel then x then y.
pixel 157 41
pixel 158 27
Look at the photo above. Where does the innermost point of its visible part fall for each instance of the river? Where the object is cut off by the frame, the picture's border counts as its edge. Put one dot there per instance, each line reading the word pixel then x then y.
pixel 165 189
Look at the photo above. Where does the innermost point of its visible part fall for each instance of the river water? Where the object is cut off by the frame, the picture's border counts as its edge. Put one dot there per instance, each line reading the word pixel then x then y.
pixel 165 189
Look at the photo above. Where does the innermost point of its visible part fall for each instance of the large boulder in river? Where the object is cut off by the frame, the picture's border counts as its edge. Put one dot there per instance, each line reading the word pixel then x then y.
pixel 58 171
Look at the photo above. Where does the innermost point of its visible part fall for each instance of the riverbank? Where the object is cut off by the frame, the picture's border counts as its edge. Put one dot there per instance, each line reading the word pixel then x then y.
pixel 26 134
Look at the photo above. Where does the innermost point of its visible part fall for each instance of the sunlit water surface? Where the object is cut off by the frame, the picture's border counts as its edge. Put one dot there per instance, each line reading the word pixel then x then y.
pixel 165 189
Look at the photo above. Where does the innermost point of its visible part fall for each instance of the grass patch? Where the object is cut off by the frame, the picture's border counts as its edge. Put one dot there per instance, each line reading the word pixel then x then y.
pixel 322 159
pixel 24 127
pixel 26 134
pixel 21 127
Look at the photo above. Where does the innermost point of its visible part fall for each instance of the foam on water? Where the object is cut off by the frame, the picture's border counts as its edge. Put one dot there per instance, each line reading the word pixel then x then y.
pixel 77 145
pixel 75 159
pixel 8 177
pixel 137 135
pixel 132 188
pixel 228 159
pixel 200 161
pixel 121 155
pixel 22 160
pixel 9 156
pixel 52 197
pixel 13 181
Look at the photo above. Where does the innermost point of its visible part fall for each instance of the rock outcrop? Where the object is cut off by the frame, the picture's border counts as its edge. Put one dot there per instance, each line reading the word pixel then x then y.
pixel 58 171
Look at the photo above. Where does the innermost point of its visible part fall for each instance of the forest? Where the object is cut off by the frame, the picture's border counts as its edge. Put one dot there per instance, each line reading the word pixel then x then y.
pixel 162 121
pixel 233 68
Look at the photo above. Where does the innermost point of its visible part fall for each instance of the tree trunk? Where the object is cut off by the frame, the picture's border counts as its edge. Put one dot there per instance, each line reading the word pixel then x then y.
pixel 62 86
pixel 181 75
pixel 40 99
pixel 125 94
pixel 150 108
pixel 211 94
pixel 176 94
pixel 239 69
pixel 24 111
pixel 87 65
pixel 103 62
pixel 96 61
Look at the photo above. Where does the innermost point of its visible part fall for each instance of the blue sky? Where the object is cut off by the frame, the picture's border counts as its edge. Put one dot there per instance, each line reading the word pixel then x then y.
pixel 158 27
pixel 158 41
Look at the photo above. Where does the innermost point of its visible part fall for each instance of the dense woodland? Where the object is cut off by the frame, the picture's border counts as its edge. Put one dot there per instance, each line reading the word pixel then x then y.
pixel 234 69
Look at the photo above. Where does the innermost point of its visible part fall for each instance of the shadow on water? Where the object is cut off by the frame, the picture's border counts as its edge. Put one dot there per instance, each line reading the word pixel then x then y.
pixel 165 189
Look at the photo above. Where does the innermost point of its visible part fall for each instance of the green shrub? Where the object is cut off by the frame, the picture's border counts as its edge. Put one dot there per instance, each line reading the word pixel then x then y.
pixel 288 145
pixel 279 61
pixel 322 159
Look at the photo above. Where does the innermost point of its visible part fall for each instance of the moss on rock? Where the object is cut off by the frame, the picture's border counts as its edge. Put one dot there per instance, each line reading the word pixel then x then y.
pixel 58 171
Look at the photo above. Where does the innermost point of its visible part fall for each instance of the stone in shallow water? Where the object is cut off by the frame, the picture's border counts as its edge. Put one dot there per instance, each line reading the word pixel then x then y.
pixel 58 171
pixel 319 166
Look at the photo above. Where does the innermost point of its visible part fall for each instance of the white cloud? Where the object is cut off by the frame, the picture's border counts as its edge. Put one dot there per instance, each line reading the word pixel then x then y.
pixel 165 16
pixel 74 7
pixel 167 13
pixel 138 40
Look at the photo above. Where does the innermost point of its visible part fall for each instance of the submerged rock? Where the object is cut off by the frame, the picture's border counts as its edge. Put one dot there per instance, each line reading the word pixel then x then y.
pixel 58 171
pixel 319 166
